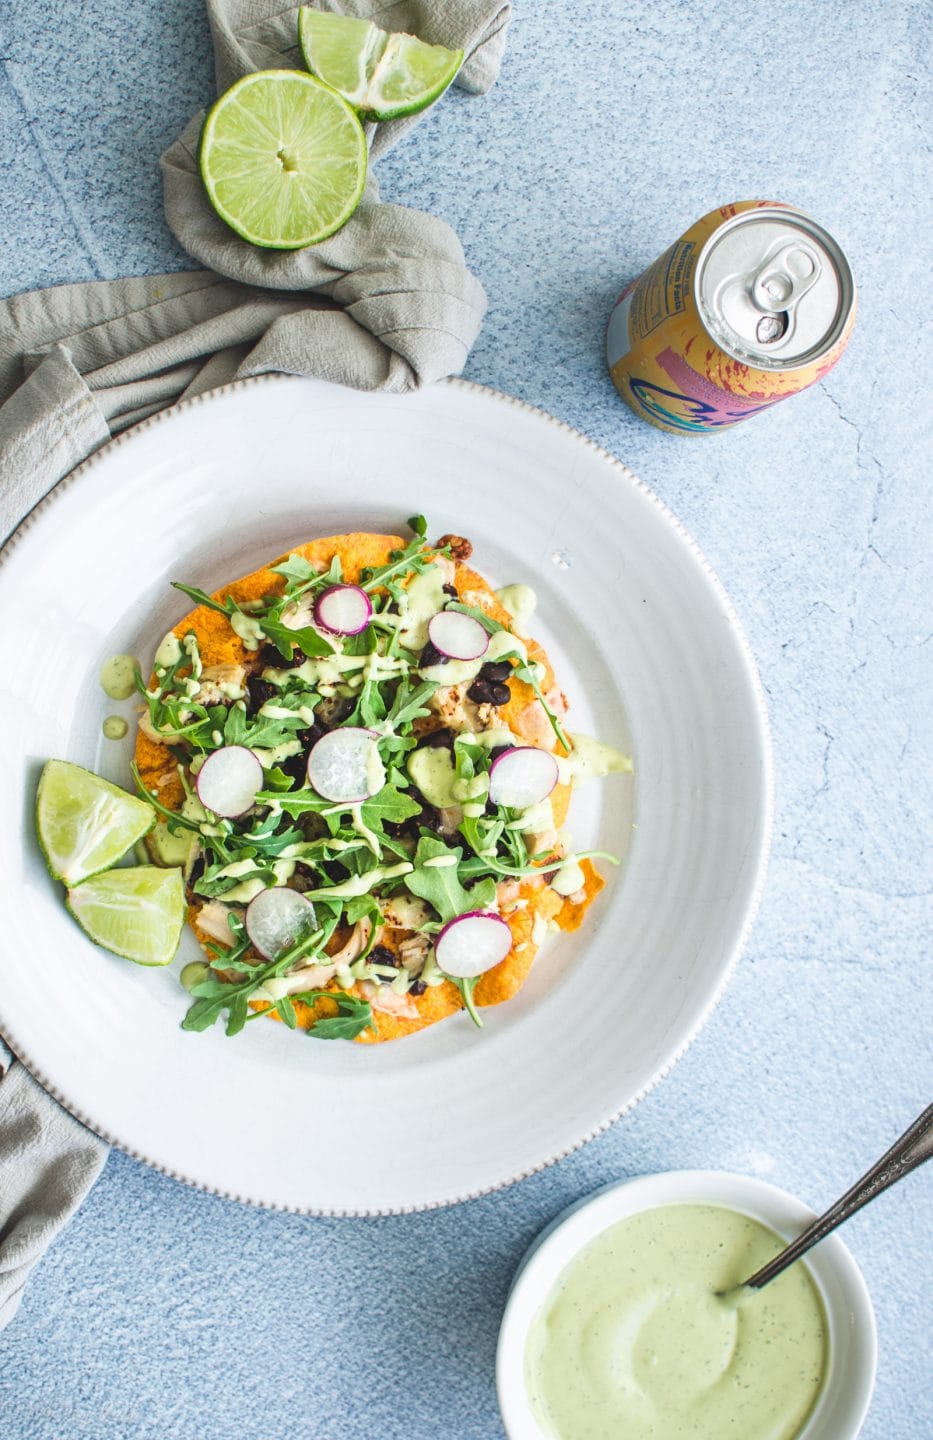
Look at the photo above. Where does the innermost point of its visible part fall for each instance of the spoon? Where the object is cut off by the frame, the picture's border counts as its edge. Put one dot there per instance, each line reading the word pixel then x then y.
pixel 912 1149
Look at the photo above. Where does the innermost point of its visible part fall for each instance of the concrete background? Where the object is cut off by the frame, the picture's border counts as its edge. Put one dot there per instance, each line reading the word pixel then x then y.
pixel 162 1312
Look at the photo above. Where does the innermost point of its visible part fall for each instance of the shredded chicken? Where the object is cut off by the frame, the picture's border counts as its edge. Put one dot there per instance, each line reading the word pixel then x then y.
pixel 384 998
pixel 354 947
pixel 507 892
pixel 212 920
pixel 557 700
pixel 218 681
pixel 414 952
pixel 404 912
pixel 449 819
pixel 299 613
pixel 149 730
pixel 447 568
pixel 448 703
pixel 544 842
pixel 479 598
pixel 532 724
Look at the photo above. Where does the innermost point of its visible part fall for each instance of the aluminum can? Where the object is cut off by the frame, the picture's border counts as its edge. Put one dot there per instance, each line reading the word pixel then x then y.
pixel 753 304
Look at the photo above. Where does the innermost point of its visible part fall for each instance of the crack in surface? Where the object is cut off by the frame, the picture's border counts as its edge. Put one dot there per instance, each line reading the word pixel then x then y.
pixel 33 128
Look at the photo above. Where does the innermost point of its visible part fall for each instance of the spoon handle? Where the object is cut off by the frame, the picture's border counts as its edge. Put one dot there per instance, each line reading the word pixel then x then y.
pixel 912 1149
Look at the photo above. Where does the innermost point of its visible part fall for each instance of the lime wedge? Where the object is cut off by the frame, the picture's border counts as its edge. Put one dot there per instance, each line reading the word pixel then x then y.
pixel 85 824
pixel 283 159
pixel 137 913
pixel 383 75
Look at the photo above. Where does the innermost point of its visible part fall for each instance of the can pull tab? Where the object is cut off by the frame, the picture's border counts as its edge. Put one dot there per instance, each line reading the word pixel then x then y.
pixel 785 278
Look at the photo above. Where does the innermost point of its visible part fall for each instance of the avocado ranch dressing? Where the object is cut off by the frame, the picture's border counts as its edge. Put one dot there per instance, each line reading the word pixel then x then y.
pixel 634 1341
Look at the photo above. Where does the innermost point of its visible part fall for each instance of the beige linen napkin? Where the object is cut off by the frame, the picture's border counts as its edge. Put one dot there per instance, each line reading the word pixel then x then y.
pixel 386 303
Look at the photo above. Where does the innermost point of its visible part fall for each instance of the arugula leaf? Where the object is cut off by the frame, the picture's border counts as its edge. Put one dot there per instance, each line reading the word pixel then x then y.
pixel 466 988
pixel 415 557
pixel 370 709
pixel 440 885
pixel 355 1016
pixel 301 576
pixel 260 732
pixel 286 1011
pixel 389 805
pixel 284 639
pixel 525 671
pixel 201 597
pixel 419 525
pixel 409 704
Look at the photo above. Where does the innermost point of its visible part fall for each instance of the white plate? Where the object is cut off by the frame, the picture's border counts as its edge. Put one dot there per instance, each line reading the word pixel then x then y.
pixel 644 642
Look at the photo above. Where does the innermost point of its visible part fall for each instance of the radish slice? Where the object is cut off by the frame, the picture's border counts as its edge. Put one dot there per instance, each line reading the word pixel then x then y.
pixel 472 944
pixel 345 765
pixel 228 781
pixel 457 636
pixel 277 919
pixel 522 776
pixel 343 610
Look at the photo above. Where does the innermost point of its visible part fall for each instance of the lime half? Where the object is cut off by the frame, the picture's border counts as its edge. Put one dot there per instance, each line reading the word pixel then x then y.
pixel 85 824
pixel 283 159
pixel 383 75
pixel 137 913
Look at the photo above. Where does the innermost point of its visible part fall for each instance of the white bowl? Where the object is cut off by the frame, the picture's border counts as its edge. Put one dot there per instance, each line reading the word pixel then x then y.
pixel 844 1398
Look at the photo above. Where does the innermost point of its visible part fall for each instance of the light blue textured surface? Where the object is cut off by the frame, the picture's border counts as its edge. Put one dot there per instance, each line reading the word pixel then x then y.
pixel 162 1312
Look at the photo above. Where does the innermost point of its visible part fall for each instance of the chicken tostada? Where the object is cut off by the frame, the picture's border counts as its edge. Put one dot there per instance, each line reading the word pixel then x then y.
pixel 359 756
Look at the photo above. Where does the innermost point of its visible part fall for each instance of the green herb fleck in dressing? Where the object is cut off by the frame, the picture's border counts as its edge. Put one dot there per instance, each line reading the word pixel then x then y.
pixel 634 1339
pixel 118 676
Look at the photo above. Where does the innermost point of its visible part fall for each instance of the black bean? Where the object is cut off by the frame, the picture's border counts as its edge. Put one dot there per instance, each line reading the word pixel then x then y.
pixel 438 739
pixel 380 955
pixel 430 655
pixel 296 768
pixel 427 819
pixel 480 692
pixel 271 657
pixel 197 870
pixel 498 750
pixel 417 987
pixel 501 695
pixel 258 691
pixel 497 670
pixel 451 590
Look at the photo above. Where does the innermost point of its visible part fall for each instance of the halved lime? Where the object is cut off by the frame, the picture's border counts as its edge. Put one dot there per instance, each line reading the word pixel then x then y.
pixel 283 159
pixel 137 913
pixel 84 823
pixel 383 75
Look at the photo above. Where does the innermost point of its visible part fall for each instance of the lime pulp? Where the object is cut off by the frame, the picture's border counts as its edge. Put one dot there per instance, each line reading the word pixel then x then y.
pixel 138 913
pixel 84 823
pixel 383 75
pixel 283 159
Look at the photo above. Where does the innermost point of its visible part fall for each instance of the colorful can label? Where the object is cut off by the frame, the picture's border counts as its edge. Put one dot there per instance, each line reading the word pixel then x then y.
pixel 754 303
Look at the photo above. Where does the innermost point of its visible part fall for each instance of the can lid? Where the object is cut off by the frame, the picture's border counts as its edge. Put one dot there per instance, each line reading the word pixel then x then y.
pixel 774 289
